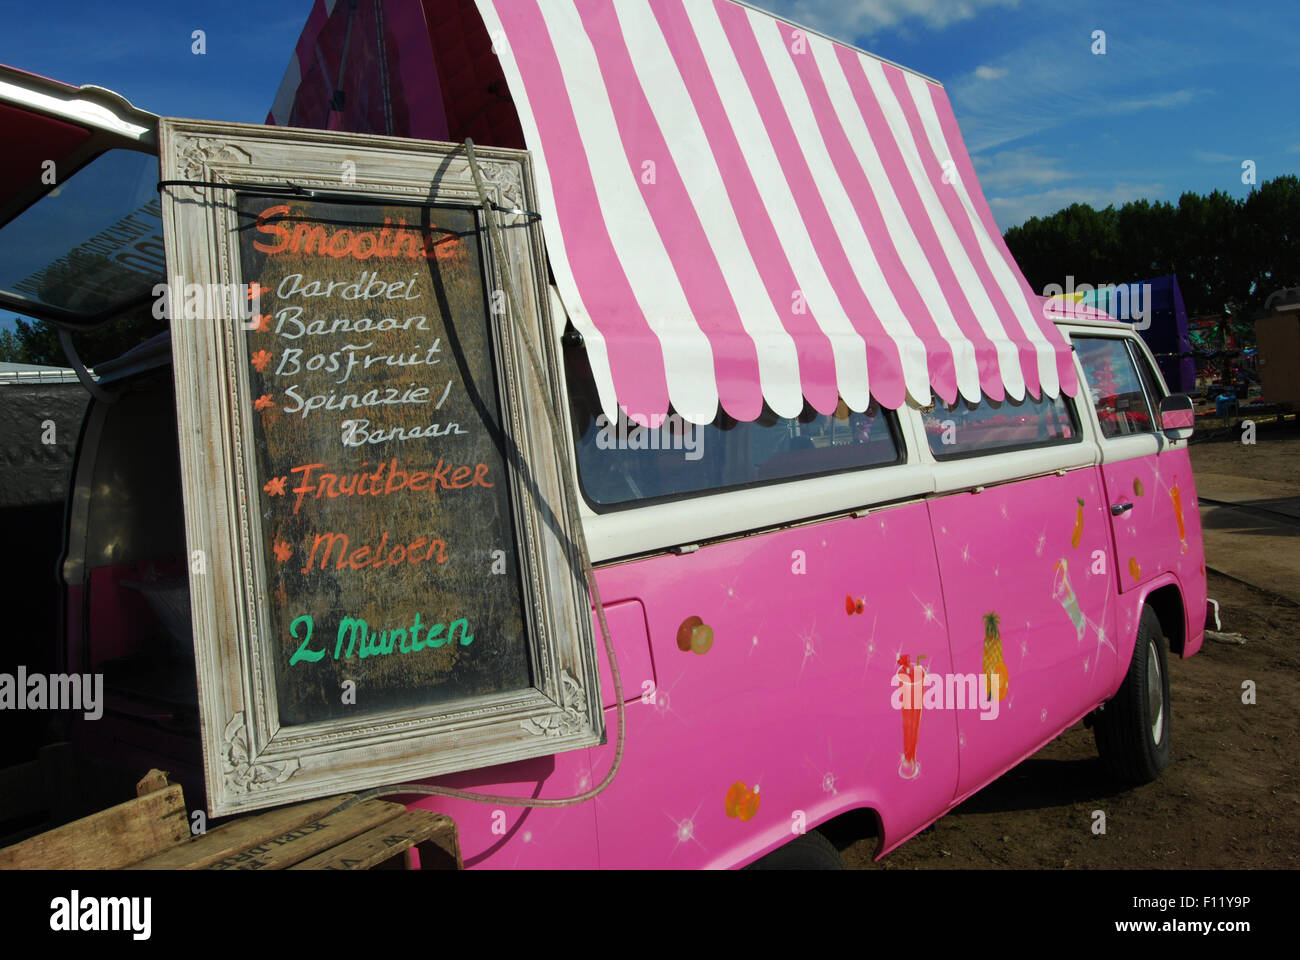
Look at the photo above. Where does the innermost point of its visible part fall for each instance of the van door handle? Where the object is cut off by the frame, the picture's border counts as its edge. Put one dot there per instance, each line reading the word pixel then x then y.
pixel 1117 508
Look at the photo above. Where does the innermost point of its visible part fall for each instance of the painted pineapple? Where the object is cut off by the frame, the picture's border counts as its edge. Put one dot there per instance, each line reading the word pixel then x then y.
pixel 994 665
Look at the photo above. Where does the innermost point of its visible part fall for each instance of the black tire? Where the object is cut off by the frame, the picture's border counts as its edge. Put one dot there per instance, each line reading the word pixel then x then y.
pixel 1133 728
pixel 808 851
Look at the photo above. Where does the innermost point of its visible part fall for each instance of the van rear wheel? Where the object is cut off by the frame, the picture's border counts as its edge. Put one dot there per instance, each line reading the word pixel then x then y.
pixel 1132 731
pixel 808 851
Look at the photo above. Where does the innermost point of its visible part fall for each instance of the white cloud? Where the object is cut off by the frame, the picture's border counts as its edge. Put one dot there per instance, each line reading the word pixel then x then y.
pixel 1051 80
pixel 1010 211
pixel 848 18
pixel 1009 169
pixel 1210 156
pixel 1160 101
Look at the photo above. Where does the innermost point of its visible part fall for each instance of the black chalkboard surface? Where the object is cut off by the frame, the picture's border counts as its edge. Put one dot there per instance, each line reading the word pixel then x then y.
pixel 388 534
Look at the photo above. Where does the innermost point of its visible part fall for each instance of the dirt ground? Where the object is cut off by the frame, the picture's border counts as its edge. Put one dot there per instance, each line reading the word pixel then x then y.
pixel 1230 797
pixel 1274 456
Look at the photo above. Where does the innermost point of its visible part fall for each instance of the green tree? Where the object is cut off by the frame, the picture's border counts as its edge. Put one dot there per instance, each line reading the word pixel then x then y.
pixel 1228 254
pixel 38 341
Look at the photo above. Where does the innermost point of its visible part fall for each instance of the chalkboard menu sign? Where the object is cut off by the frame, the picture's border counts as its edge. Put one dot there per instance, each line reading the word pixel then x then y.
pixel 378 442
pixel 382 578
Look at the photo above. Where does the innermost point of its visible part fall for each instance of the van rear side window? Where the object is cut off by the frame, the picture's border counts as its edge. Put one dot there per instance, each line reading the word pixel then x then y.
pixel 621 464
pixel 964 429
pixel 1116 388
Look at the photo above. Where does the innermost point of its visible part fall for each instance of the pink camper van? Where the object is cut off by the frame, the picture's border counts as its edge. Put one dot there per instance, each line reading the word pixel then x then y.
pixel 871 522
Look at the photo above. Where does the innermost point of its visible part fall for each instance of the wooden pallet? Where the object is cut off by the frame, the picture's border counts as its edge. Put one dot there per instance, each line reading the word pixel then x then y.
pixel 152 833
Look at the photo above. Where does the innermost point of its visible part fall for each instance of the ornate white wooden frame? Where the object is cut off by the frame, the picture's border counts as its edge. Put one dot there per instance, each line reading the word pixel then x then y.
pixel 250 760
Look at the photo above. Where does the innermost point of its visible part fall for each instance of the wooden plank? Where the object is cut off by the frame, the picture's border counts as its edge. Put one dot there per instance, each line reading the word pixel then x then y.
pixel 152 781
pixel 306 841
pixel 239 835
pixel 437 854
pixel 383 842
pixel 107 840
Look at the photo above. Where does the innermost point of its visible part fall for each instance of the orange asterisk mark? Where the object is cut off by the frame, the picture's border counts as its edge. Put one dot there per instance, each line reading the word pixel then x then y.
pixel 260 360
pixel 283 551
pixel 275 486
pixel 263 323
pixel 262 402
pixel 255 290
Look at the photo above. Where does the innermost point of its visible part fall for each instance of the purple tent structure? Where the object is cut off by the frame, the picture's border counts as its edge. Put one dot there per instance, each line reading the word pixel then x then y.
pixel 1160 303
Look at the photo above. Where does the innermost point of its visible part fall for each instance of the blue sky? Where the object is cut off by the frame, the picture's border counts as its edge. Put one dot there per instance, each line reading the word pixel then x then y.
pixel 1183 95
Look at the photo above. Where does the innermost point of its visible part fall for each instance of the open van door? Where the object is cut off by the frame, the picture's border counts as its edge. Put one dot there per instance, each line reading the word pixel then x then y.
pixel 80 225
pixel 81 248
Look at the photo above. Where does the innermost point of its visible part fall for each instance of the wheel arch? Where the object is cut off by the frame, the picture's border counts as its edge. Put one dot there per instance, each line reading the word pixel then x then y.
pixel 847 824
pixel 1171 610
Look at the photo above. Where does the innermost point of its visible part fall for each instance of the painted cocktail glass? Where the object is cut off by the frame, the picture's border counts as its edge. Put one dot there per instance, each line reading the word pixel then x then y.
pixel 1065 596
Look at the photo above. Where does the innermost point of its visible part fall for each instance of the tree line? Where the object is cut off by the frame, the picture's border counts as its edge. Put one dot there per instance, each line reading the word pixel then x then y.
pixel 1229 253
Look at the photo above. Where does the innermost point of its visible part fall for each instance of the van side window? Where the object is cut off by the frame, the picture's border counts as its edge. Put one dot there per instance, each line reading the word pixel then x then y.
pixel 964 429
pixel 620 464
pixel 1116 388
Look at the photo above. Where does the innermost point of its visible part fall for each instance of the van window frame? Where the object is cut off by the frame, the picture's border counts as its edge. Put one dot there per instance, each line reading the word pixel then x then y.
pixel 890 417
pixel 1133 349
pixel 1071 409
pixel 1148 374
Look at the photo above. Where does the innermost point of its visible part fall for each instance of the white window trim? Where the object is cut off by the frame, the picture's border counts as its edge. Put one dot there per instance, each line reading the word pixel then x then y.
pixel 691 521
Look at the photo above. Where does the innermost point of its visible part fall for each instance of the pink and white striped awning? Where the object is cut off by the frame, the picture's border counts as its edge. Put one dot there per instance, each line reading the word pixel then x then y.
pixel 739 211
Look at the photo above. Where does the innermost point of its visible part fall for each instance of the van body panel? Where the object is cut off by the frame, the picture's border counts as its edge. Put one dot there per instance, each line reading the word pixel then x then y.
pixel 627 632
pixel 1026 584
pixel 1157 538
pixel 505 837
pixel 1160 528
pixel 788 701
